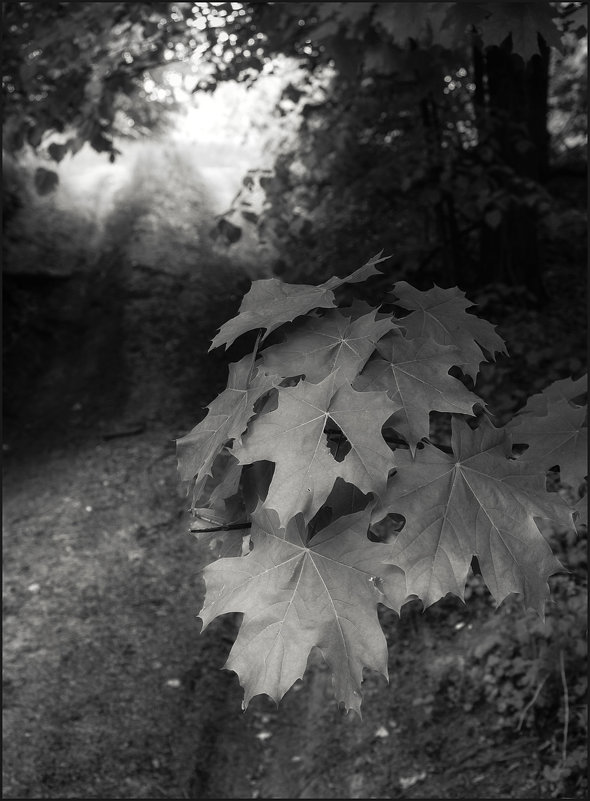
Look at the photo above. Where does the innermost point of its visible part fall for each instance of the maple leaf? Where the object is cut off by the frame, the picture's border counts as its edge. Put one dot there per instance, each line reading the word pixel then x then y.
pixel 219 499
pixel 459 17
pixel 270 302
pixel 361 416
pixel 581 509
pixel 297 596
pixel 226 419
pixel 402 21
pixel 477 502
pixel 440 314
pixel 523 21
pixel 565 388
pixel 293 437
pixel 554 436
pixel 422 22
pixel 415 374
pixel 319 346
pixel 219 519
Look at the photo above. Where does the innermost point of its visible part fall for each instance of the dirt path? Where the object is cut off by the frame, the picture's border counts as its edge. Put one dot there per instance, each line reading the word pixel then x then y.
pixel 109 690
pixel 101 583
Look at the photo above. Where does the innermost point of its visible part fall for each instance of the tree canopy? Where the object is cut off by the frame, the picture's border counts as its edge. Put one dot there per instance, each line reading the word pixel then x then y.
pixel 68 64
pixel 70 67
pixel 438 107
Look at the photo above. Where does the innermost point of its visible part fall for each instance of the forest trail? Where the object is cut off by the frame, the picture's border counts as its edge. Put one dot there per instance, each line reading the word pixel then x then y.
pixel 101 582
pixel 109 690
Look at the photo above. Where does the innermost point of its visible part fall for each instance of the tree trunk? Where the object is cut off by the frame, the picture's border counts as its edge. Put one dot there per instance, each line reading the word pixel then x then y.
pixel 514 123
pixel 536 92
pixel 444 207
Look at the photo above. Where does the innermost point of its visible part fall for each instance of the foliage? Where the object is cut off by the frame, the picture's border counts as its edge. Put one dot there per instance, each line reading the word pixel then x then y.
pixel 78 70
pixel 532 674
pixel 322 446
pixel 415 126
pixel 318 32
pixel 568 100
pixel 442 160
pixel 74 66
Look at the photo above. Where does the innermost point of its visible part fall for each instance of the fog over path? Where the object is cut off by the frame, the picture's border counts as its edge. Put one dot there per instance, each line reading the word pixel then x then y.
pixel 146 281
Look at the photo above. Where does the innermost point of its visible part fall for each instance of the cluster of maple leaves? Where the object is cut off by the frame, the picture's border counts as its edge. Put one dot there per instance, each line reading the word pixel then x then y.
pixel 321 444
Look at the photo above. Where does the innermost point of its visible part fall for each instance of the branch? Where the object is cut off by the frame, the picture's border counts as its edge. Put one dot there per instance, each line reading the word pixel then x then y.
pixel 530 704
pixel 566 710
pixel 227 527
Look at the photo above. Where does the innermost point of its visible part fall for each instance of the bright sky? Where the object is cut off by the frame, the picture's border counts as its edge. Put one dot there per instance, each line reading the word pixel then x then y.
pixel 224 134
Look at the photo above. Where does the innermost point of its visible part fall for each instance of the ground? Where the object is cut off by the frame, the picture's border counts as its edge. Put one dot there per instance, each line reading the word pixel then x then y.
pixel 110 690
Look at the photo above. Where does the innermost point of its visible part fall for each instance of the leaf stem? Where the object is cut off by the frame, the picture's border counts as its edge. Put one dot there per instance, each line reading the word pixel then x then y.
pixel 566 708
pixel 254 354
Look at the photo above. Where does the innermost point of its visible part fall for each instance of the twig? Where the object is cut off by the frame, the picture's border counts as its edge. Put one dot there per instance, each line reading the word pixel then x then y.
pixel 530 704
pixel 125 432
pixel 566 710
pixel 307 784
pixel 228 527
pixel 477 764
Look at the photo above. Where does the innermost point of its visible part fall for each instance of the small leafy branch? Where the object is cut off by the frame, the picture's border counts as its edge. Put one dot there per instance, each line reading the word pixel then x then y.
pixel 324 485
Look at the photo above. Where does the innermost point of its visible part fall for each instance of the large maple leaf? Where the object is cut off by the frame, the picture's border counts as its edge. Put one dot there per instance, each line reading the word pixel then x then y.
pixel 402 21
pixel 563 389
pixel 415 374
pixel 418 21
pixel 523 21
pixel 440 314
pixel 555 433
pixel 270 302
pixel 477 502
pixel 226 419
pixel 460 17
pixel 319 346
pixel 297 596
pixel 566 388
pixel 292 436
